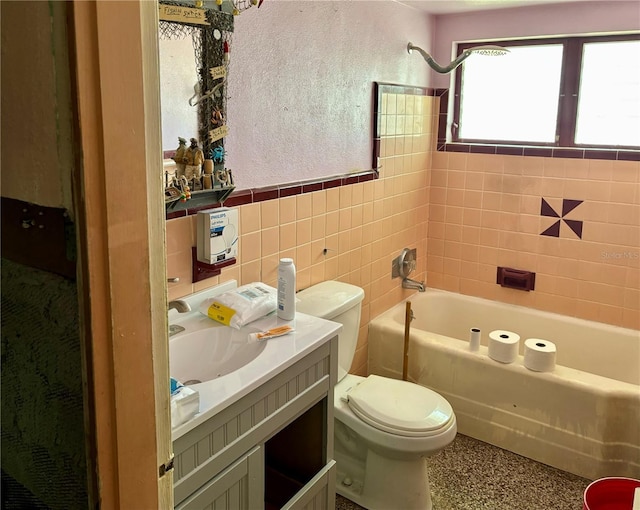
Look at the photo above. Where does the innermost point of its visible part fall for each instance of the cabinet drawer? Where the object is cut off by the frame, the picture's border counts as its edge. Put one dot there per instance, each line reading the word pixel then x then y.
pixel 239 487
pixel 318 493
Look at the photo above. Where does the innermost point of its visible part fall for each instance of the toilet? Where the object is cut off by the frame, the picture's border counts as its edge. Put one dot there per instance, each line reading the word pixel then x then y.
pixel 384 428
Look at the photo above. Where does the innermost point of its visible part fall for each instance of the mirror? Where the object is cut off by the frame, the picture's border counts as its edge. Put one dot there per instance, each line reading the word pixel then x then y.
pixel 300 90
pixel 193 44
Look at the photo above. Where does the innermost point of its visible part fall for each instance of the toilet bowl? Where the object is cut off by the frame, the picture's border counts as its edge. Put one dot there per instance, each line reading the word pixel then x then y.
pixel 384 429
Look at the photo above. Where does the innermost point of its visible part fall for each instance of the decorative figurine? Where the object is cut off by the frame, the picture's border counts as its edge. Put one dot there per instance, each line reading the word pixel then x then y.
pixel 223 177
pixel 186 194
pixel 179 156
pixel 218 154
pixel 193 158
pixel 184 189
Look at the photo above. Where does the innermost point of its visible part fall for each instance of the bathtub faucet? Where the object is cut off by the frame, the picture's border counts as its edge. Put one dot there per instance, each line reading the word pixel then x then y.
pixel 408 283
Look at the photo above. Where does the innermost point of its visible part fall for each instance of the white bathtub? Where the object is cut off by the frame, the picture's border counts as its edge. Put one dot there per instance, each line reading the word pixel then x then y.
pixel 584 417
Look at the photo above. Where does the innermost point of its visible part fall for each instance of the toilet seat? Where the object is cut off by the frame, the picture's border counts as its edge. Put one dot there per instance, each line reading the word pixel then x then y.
pixel 399 407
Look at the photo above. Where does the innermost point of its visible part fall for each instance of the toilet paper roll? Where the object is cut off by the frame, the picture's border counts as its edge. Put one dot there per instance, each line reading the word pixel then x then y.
pixel 474 339
pixel 539 355
pixel 503 346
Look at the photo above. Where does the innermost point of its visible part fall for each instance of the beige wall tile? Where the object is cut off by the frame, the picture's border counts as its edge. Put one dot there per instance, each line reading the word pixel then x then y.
pixel 250 272
pixel 333 198
pixel 270 213
pixel 287 209
pixel 626 171
pixel 303 256
pixel 600 170
pixel 344 219
pixel 250 246
pixel 631 318
pixel 332 223
pixel 303 231
pixel 270 241
pixel 250 218
pixel 345 196
pixel 318 203
pixel 269 269
pixel 317 273
pixel 180 234
pixel 287 236
pixel 318 224
pixel 303 206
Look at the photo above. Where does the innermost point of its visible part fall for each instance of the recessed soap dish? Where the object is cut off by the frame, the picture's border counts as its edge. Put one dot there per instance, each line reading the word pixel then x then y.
pixel 516 278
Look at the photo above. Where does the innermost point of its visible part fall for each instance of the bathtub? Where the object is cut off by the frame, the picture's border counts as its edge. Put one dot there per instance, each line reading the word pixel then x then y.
pixel 584 417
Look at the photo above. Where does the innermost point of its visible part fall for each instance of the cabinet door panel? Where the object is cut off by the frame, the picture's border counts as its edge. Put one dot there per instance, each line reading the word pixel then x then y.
pixel 319 493
pixel 240 486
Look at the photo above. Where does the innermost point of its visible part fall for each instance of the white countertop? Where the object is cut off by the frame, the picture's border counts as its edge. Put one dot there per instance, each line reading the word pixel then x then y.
pixel 279 353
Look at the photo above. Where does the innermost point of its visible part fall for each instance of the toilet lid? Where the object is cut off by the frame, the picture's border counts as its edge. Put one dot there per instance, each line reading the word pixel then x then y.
pixel 399 407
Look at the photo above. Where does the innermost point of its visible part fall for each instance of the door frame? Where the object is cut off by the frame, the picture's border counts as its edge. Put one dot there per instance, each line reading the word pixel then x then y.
pixel 118 192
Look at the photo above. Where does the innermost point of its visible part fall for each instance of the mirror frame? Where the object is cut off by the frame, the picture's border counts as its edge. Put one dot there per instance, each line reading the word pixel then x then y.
pixel 212 56
pixel 288 189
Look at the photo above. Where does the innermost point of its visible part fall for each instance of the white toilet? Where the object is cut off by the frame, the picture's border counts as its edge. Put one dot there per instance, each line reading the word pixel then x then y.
pixel 384 428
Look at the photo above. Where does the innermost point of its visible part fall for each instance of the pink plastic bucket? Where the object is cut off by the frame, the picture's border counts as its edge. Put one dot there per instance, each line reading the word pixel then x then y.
pixel 612 493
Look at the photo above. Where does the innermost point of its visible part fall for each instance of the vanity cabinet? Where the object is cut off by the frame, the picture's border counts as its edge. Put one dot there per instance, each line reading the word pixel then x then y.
pixel 272 448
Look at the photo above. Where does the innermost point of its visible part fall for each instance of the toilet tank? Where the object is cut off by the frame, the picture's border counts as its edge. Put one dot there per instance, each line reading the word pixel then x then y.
pixel 337 302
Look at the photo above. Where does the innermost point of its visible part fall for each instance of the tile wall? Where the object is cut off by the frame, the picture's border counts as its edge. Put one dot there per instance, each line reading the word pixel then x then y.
pixel 575 222
pixel 491 210
pixel 362 226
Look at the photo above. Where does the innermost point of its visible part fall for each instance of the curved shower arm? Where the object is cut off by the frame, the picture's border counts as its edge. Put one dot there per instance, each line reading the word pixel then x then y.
pixel 434 65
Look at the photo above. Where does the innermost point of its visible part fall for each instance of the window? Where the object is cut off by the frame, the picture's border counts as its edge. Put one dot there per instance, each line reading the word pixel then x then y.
pixel 569 92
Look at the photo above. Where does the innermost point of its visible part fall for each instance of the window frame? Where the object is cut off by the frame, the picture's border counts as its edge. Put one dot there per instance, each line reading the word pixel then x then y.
pixel 566 119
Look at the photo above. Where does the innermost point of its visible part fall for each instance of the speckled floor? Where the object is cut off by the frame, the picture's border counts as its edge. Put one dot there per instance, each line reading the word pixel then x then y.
pixel 472 475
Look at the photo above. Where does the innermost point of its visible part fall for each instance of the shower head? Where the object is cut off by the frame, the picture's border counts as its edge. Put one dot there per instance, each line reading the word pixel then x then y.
pixel 487 50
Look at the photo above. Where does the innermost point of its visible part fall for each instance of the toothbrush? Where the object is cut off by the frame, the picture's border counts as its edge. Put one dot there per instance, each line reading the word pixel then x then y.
pixel 271 333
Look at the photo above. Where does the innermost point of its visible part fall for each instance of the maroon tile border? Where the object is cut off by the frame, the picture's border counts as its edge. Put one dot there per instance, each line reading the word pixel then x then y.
pixel 266 193
pixel 249 196
pixel 546 152
pixel 629 155
pixel 243 196
pixel 600 154
pixel 543 152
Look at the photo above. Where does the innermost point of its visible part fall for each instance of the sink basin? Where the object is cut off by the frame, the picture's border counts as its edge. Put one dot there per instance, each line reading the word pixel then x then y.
pixel 208 353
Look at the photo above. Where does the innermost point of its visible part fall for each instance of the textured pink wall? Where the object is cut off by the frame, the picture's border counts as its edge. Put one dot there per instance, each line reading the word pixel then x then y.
pixel 300 85
pixel 555 19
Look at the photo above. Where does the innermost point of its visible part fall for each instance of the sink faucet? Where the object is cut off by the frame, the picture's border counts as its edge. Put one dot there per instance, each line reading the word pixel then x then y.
pixel 179 304
pixel 408 283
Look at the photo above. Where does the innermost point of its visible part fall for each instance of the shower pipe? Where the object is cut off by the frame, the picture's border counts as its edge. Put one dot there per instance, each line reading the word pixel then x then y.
pixel 489 50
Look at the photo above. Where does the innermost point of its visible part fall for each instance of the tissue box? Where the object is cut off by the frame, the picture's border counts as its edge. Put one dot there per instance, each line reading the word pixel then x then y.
pixel 185 404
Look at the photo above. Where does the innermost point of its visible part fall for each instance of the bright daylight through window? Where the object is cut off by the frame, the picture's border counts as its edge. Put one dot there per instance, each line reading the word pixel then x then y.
pixel 562 92
pixel 612 67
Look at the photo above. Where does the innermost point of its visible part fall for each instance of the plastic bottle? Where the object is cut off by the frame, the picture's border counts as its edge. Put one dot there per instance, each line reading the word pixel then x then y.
pixel 286 289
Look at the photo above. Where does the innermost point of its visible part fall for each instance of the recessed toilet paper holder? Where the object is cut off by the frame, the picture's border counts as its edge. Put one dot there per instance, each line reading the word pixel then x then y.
pixel 404 264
